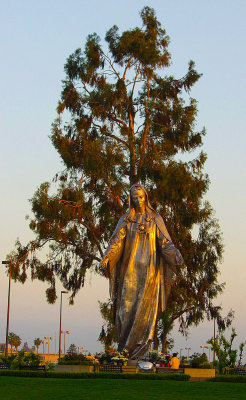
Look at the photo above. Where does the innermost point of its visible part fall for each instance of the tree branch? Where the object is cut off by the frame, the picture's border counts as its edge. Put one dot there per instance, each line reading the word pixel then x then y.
pixel 110 134
pixel 128 65
pixel 111 64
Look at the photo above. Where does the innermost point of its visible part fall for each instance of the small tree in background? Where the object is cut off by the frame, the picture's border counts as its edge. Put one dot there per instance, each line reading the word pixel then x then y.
pixel 37 342
pixel 72 349
pixel 227 356
pixel 14 340
pixel 11 337
pixel 122 119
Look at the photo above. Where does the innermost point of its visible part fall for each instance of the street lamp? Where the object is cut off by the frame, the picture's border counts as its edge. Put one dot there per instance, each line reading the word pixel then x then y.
pixel 48 338
pixel 44 343
pixel 188 350
pixel 180 353
pixel 203 347
pixel 7 325
pixel 214 341
pixel 209 348
pixel 63 291
pixel 65 333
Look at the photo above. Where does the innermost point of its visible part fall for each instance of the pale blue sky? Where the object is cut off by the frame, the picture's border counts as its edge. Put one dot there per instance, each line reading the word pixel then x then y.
pixel 36 39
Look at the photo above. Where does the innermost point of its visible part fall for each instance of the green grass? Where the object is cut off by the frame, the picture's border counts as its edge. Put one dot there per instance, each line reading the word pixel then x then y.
pixel 13 388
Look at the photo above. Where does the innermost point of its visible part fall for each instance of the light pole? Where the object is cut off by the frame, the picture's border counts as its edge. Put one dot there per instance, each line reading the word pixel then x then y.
pixel 42 342
pixel 7 325
pixel 214 341
pixel 48 338
pixel 63 291
pixel 203 347
pixel 180 353
pixel 45 349
pixel 188 350
pixel 209 348
pixel 65 333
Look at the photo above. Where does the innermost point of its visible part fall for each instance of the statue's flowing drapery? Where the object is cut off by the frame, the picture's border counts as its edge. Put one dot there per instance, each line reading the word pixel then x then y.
pixel 142 261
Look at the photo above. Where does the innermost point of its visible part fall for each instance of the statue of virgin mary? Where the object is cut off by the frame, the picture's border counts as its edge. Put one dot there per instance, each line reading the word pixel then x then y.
pixel 140 262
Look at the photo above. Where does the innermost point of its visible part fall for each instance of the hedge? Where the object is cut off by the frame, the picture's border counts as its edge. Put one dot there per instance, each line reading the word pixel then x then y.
pixel 95 375
pixel 87 362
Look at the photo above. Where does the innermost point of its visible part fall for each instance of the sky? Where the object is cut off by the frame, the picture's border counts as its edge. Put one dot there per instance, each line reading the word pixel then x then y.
pixel 37 38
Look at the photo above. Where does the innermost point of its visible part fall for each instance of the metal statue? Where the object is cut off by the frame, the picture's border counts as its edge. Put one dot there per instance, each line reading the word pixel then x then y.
pixel 140 262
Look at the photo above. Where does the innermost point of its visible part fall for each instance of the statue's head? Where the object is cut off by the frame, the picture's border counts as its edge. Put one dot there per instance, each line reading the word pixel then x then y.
pixel 138 196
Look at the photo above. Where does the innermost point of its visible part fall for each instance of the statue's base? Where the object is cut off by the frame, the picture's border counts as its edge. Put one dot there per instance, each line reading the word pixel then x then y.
pixel 132 363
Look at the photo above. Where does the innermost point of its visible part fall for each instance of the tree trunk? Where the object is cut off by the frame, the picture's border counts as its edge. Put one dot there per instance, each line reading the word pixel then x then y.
pixel 131 140
pixel 164 344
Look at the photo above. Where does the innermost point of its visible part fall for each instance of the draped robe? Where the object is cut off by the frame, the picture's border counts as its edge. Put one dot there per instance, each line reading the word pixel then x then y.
pixel 141 263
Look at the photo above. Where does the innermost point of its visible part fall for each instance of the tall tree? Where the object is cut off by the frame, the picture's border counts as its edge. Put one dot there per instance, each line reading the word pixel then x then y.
pixel 122 120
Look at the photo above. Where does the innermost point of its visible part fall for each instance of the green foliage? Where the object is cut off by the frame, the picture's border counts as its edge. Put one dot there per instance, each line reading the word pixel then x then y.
pixel 241 348
pixel 196 360
pixel 14 340
pixel 61 361
pixel 122 119
pixel 14 361
pixel 164 325
pixel 37 342
pixel 111 356
pixel 227 357
pixel 72 350
pixel 95 375
pixel 49 366
pixel 72 357
pixel 199 358
pixel 108 333
pixel 153 356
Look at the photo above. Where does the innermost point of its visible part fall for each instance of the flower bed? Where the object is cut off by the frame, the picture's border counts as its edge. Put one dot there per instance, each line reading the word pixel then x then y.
pixel 112 356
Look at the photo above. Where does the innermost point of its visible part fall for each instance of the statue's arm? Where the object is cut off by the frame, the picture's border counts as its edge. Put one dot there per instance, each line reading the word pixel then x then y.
pixel 115 248
pixel 168 251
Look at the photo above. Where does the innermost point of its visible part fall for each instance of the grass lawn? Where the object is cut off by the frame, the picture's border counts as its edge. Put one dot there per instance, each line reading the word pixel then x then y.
pixel 13 388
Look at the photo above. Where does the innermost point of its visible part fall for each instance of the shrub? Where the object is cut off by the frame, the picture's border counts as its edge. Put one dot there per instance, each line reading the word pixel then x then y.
pixel 227 356
pixel 198 360
pixel 64 362
pixel 95 375
pixel 14 361
pixel 73 357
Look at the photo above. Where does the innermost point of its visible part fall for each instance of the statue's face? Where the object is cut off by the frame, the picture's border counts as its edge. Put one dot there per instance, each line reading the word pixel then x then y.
pixel 138 198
